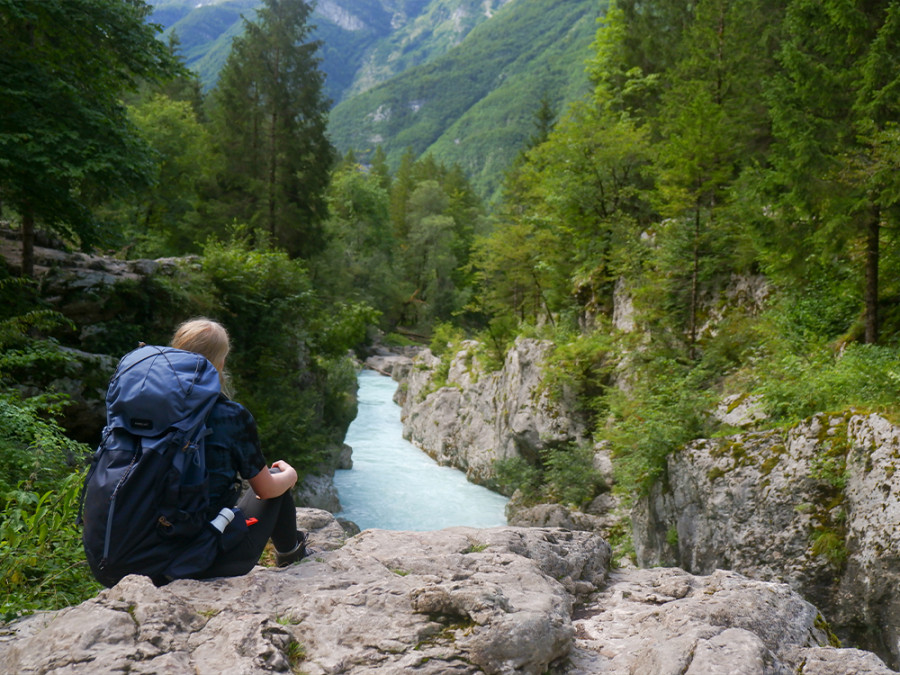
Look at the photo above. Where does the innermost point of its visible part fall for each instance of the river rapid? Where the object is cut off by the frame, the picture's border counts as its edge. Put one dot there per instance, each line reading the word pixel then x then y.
pixel 395 486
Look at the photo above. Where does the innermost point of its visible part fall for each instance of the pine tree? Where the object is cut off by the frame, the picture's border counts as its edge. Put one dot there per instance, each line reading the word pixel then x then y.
pixel 712 124
pixel 270 118
pixel 834 107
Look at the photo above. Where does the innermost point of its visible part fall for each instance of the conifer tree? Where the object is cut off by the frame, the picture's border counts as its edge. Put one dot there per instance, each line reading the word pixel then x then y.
pixel 711 124
pixel 835 104
pixel 270 118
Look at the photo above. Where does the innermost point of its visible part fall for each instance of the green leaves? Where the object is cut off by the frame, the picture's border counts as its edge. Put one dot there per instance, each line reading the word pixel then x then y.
pixel 269 116
pixel 42 564
pixel 289 348
pixel 64 135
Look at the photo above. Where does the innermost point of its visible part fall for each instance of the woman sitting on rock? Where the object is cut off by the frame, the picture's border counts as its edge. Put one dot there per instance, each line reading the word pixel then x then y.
pixel 232 451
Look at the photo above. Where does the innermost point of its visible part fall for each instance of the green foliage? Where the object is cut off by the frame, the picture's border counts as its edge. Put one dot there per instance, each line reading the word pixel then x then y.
pixel 42 565
pixel 360 259
pixel 573 211
pixel 289 360
pixel 41 560
pixel 435 215
pixel 27 355
pixel 831 545
pixel 495 340
pixel 672 537
pixel 664 409
pixel 164 219
pixel 581 365
pixel 269 118
pixel 562 474
pixel 797 385
pixel 473 105
pixel 833 104
pixel 444 338
pixel 65 137
pixel 516 473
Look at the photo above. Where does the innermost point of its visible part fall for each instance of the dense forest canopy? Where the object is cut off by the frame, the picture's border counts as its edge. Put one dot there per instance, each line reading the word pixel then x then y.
pixel 724 144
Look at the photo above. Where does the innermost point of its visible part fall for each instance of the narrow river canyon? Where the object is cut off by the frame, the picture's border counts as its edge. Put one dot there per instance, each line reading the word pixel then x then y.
pixel 395 486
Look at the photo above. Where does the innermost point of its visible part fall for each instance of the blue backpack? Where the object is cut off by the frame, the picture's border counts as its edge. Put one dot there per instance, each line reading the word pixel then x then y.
pixel 145 499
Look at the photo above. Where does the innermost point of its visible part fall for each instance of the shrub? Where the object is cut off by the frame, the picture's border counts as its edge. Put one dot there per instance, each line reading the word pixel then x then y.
pixel 799 385
pixel 665 409
pixel 42 564
pixel 290 361
pixel 564 474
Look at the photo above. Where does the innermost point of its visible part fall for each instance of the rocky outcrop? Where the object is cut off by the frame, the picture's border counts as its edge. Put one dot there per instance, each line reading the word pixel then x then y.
pixel 665 621
pixel 461 600
pixel 389 362
pixel 478 417
pixel 817 507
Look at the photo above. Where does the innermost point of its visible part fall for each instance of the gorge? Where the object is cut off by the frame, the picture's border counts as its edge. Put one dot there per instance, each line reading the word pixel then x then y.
pixel 547 594
pixel 393 485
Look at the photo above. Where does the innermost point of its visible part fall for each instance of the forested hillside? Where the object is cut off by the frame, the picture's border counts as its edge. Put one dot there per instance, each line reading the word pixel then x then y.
pixel 476 106
pixel 461 79
pixel 364 42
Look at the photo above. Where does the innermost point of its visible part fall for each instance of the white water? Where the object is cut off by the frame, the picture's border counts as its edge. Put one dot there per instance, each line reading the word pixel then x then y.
pixel 395 486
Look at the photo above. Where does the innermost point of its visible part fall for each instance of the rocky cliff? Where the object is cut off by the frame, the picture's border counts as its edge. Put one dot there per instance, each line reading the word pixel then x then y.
pixel 462 600
pixel 816 506
pixel 475 417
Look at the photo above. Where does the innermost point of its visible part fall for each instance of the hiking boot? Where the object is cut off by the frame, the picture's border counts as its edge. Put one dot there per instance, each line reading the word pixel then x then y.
pixel 296 554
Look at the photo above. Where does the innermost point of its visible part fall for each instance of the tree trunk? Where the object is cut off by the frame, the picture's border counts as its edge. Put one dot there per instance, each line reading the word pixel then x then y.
pixel 273 165
pixel 27 241
pixel 871 294
pixel 695 288
pixel 273 149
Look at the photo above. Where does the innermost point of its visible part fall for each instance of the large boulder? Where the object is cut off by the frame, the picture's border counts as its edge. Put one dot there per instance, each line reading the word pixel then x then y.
pixel 495 601
pixel 456 601
pixel 665 621
pixel 816 507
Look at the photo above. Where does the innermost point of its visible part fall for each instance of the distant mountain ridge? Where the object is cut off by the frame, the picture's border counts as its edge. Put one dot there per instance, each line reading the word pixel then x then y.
pixel 476 104
pixel 364 41
pixel 461 79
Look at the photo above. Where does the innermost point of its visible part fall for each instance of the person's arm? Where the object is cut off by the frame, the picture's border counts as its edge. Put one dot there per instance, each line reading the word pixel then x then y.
pixel 267 485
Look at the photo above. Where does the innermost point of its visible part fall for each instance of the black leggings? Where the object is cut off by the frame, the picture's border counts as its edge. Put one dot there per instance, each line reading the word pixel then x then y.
pixel 276 519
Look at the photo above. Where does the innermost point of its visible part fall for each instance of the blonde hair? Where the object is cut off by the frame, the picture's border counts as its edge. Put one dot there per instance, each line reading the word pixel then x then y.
pixel 208 338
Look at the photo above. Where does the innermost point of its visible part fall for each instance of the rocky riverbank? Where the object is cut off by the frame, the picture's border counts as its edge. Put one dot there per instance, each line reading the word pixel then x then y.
pixel 462 600
pixel 816 507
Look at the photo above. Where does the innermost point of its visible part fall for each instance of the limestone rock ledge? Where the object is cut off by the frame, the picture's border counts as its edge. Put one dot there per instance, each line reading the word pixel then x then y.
pixel 479 417
pixel 816 506
pixel 460 600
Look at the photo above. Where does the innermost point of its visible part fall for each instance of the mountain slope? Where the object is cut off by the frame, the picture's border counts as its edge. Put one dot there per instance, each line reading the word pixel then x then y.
pixel 475 105
pixel 364 42
pixel 461 79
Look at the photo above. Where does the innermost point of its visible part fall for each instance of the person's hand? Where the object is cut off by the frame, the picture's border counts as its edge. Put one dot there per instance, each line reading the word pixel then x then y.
pixel 285 468
pixel 275 481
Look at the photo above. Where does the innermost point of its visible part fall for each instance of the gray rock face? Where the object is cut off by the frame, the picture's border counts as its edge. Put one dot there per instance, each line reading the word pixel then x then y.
pixel 462 600
pixel 817 507
pixel 318 492
pixel 665 621
pixel 396 366
pixel 479 417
